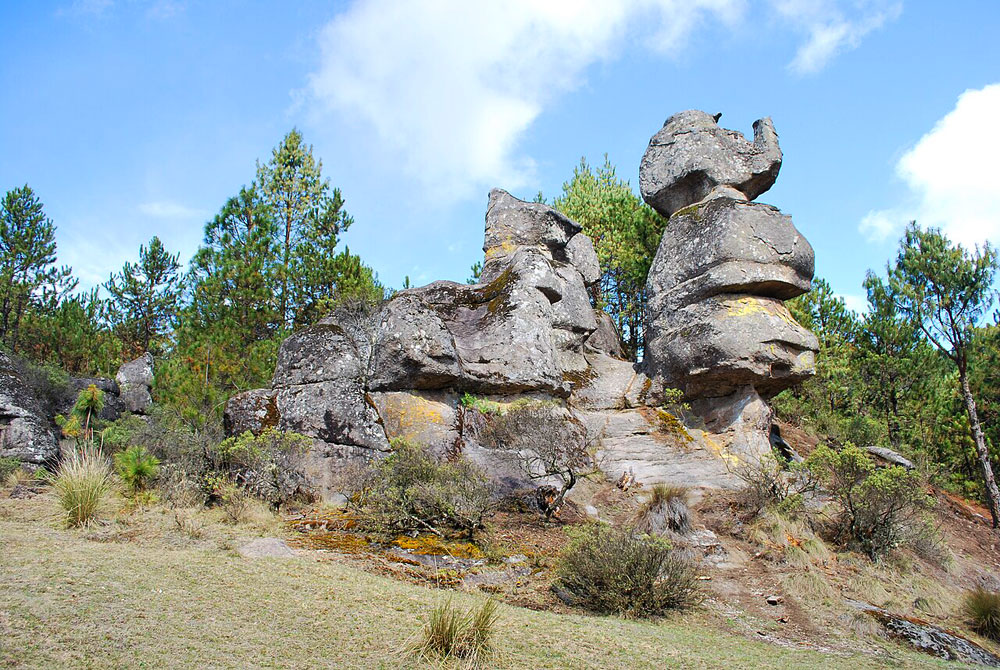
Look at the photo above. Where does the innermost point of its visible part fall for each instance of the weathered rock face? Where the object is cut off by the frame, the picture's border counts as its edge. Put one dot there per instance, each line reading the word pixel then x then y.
pixel 716 328
pixel 135 379
pixel 692 156
pixel 715 319
pixel 25 432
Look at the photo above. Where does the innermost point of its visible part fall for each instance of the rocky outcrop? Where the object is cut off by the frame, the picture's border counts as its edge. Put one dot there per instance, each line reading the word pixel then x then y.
pixel 716 324
pixel 25 432
pixel 717 329
pixel 135 382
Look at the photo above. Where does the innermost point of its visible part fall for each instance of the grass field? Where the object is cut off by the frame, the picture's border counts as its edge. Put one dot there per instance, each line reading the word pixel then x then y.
pixel 151 599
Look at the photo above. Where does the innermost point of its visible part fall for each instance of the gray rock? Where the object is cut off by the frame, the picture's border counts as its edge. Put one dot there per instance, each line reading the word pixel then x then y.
pixel 691 156
pixel 428 418
pixel 25 432
pixel 113 406
pixel 728 246
pixel 712 347
pixel 611 383
pixel 891 457
pixel 581 255
pixel 253 411
pixel 336 412
pixel 605 339
pixel 512 224
pixel 135 379
pixel 266 547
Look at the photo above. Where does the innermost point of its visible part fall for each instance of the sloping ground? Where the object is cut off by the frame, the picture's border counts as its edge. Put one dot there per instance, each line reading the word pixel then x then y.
pixel 155 599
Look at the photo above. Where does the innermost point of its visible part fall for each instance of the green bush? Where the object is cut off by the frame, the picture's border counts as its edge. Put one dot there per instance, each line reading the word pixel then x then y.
pixel 81 483
pixel 879 507
pixel 983 609
pixel 411 490
pixel 772 483
pixel 613 570
pixel 468 636
pixel 137 468
pixel 268 465
pixel 8 466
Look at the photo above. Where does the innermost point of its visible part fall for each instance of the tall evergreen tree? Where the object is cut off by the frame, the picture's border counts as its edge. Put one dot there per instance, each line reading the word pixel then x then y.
pixel 144 298
pixel 27 261
pixel 947 291
pixel 626 233
pixel 310 217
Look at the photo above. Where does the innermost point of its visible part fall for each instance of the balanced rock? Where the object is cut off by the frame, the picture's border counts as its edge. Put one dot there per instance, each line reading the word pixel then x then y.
pixel 691 156
pixel 135 379
pixel 25 432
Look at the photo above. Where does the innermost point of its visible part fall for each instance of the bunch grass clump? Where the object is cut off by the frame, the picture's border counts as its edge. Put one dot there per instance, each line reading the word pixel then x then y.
pixel 452 633
pixel 81 484
pixel 612 570
pixel 983 609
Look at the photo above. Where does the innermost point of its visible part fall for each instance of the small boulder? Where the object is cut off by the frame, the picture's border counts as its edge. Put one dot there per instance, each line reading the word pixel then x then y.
pixel 25 433
pixel 135 379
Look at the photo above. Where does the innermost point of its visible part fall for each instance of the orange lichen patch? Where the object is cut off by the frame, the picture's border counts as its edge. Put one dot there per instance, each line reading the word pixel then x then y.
pixel 432 545
pixel 792 541
pixel 346 543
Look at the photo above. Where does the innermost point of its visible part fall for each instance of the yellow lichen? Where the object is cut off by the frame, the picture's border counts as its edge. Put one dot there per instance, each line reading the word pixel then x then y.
pixel 750 305
pixel 432 545
pixel 671 425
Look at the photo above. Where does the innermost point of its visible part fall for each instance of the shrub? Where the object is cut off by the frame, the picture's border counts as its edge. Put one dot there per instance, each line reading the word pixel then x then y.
pixel 879 507
pixel 665 510
pixel 137 468
pixel 8 466
pixel 772 483
pixel 983 609
pixel 232 498
pixel 615 571
pixel 450 633
pixel 544 442
pixel 81 483
pixel 268 465
pixel 412 491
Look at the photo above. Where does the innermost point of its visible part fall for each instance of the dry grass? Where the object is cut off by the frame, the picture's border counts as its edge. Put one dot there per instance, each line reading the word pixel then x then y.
pixel 82 483
pixel 159 598
pixel 982 607
pixel 453 634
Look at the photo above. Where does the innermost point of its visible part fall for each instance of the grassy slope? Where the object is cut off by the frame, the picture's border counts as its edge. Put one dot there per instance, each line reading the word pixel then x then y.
pixel 66 601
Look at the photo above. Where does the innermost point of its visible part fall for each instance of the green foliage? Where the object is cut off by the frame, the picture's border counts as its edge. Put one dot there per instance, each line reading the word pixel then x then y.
pixel 137 468
pixel 144 299
pixel 982 607
pixel 81 483
pixel 8 466
pixel 772 483
pixel 411 490
pixel 626 233
pixel 268 466
pixel 467 636
pixel 28 276
pixel 612 570
pixel 878 506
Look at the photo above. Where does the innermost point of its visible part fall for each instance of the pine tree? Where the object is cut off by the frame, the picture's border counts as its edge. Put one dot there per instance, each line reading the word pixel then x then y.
pixel 144 298
pixel 27 261
pixel 946 291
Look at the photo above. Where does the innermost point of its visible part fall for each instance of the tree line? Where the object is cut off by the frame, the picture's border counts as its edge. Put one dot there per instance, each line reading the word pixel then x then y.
pixel 270 262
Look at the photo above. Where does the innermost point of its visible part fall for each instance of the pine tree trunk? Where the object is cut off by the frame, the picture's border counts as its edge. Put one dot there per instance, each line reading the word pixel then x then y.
pixel 992 494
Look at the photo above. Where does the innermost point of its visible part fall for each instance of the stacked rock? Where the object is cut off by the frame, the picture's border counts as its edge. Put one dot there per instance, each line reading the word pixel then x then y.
pixel 715 318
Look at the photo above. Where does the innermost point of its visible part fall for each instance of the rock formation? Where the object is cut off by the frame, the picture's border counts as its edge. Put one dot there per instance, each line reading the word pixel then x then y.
pixel 716 326
pixel 365 376
pixel 135 381
pixel 25 432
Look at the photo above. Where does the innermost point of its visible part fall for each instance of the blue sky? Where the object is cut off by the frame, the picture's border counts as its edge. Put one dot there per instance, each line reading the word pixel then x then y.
pixel 134 118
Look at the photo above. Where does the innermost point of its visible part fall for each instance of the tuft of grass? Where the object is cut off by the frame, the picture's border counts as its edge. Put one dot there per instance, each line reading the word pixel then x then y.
pixel 81 483
pixel 983 609
pixel 665 509
pixel 451 633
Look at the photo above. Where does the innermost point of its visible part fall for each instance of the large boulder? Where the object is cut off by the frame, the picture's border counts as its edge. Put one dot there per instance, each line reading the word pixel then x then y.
pixel 25 432
pixel 135 381
pixel 691 156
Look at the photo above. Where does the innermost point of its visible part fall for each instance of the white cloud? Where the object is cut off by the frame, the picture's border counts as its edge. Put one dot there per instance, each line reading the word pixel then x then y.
pixel 856 303
pixel 952 176
pixel 449 87
pixel 165 209
pixel 832 28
